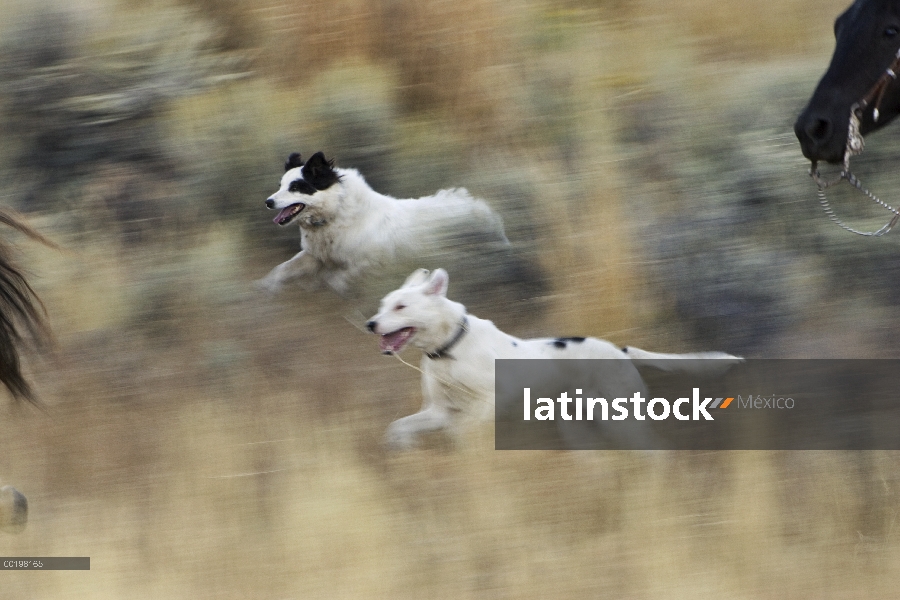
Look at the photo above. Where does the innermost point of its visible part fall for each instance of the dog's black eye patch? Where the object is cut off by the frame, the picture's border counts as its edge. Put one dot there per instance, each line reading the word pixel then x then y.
pixel 299 186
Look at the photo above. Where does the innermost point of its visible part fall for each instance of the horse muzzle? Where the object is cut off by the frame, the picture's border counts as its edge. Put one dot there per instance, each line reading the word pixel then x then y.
pixel 822 139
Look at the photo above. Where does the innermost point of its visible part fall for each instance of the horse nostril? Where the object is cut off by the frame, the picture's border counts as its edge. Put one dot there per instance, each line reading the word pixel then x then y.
pixel 270 203
pixel 371 325
pixel 818 129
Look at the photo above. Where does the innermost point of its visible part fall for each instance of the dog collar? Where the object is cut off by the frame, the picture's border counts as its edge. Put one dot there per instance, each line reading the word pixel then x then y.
pixel 443 351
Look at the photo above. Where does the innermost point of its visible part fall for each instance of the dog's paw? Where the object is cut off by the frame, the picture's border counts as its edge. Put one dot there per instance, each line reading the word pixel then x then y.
pixel 267 285
pixel 342 283
pixel 398 439
pixel 13 510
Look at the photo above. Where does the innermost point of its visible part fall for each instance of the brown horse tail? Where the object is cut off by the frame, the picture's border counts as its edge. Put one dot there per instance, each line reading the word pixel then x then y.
pixel 22 313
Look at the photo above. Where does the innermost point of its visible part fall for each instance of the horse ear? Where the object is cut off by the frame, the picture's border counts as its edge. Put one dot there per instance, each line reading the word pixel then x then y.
pixel 293 161
pixel 418 277
pixel 437 284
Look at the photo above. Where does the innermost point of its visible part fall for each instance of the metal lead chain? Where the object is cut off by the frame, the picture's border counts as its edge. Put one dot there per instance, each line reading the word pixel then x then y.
pixel 823 184
pixel 877 233
pixel 855 144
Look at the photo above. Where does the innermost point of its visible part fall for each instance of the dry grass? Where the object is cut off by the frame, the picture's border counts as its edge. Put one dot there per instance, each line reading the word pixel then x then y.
pixel 725 30
pixel 205 500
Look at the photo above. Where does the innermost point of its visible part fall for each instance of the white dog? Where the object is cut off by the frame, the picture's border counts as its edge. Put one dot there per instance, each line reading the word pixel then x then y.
pixel 460 350
pixel 347 229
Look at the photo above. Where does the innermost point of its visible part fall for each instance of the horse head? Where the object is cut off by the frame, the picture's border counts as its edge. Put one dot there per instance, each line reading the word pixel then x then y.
pixel 867 38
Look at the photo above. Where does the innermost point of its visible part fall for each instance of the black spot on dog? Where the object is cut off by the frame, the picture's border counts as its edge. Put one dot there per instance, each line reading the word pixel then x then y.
pixel 625 349
pixel 293 161
pixel 515 345
pixel 301 186
pixel 563 341
pixel 319 172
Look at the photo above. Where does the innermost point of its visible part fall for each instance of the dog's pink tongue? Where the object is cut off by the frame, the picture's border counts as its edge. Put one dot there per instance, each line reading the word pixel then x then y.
pixel 283 214
pixel 393 342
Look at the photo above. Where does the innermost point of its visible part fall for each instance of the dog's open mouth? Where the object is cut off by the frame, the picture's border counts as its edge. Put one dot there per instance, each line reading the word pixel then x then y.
pixel 287 214
pixel 391 343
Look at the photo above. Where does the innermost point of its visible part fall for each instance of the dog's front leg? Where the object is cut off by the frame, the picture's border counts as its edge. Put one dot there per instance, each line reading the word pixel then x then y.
pixel 403 433
pixel 302 265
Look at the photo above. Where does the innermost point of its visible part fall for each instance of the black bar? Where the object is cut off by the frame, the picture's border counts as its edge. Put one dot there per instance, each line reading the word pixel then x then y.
pixel 45 563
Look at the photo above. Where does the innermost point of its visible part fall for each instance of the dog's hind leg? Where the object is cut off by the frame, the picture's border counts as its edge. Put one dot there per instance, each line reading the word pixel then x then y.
pixel 301 266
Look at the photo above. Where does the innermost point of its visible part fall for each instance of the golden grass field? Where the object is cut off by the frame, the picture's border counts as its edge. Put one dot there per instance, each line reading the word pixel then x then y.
pixel 200 440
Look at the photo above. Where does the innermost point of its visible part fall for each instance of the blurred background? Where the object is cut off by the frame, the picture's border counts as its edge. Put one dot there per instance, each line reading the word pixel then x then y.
pixel 200 440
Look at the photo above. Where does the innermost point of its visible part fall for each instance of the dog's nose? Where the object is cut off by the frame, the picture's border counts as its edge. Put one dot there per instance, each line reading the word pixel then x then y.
pixel 371 325
pixel 270 203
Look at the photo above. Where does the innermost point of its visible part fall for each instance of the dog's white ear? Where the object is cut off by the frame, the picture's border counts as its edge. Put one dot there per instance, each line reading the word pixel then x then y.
pixel 418 277
pixel 437 283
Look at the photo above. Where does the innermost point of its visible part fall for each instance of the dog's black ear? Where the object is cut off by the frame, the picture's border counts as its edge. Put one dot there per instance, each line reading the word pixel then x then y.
pixel 318 162
pixel 319 171
pixel 293 161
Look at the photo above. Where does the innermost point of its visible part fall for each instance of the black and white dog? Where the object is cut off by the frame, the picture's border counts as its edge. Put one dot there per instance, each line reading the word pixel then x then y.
pixel 348 230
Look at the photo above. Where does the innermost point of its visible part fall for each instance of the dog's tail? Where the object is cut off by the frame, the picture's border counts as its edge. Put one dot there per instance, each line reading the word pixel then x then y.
pixel 697 363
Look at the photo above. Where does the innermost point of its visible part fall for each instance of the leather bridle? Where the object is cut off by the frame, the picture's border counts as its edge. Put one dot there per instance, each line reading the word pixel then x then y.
pixel 854 146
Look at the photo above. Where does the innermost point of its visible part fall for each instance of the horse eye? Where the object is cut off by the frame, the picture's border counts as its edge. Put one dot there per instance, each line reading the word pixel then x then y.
pixel 891 32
